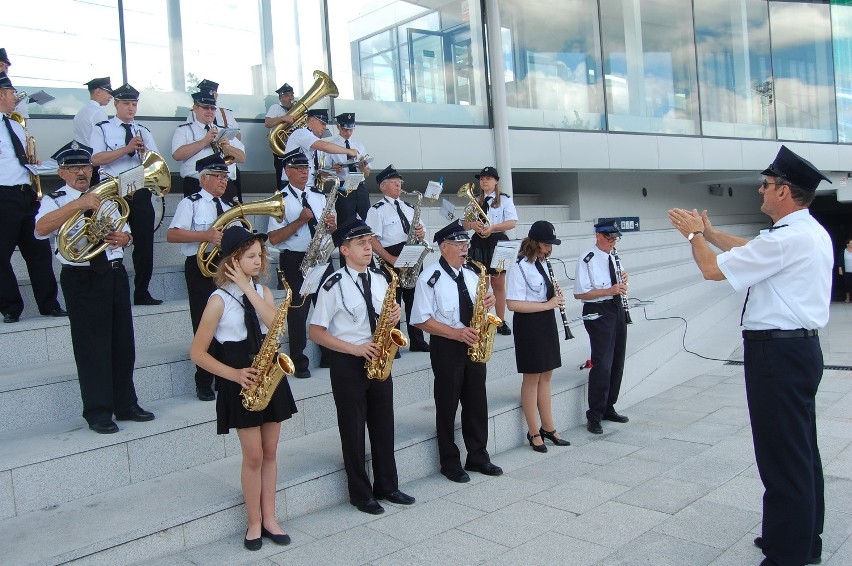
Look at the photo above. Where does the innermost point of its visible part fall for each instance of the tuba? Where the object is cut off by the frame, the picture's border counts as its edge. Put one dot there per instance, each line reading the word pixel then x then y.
pixel 484 322
pixel 272 206
pixel 82 236
pixel 32 153
pixel 323 86
pixel 386 335
pixel 472 211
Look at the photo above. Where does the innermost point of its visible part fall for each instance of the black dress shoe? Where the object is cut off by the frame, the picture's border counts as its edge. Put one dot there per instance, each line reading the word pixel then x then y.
pixel 253 544
pixel 615 417
pixel 424 347
pixel 135 413
pixel 551 436
pixel 458 476
pixel 370 506
pixel 57 312
pixel 106 427
pixel 302 373
pixel 487 468
pixel 398 497
pixel 282 539
pixel 398 355
pixel 504 329
pixel 537 447
pixel 205 393
pixel 758 542
pixel 11 318
pixel 594 427
pixel 149 300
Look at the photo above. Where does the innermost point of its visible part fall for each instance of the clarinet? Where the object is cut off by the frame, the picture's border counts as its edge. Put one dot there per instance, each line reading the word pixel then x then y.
pixel 624 302
pixel 558 290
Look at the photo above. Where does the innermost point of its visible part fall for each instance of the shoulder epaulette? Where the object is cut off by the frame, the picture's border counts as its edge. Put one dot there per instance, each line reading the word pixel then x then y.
pixel 434 278
pixel 332 281
pixel 101 123
pixel 185 124
pixel 505 195
pixel 194 197
pixel 56 194
pixel 379 204
pixel 409 204
pixel 141 126
pixel 589 257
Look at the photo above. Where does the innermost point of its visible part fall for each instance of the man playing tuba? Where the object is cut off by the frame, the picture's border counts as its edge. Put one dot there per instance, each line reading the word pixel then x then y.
pixel 97 293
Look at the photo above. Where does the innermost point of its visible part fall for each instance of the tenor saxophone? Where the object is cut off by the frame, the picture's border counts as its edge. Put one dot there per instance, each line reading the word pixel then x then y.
pixel 408 275
pixel 484 322
pixel 387 336
pixel 321 246
pixel 272 366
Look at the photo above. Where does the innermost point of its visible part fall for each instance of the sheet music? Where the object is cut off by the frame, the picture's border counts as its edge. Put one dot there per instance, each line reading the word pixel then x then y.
pixel 448 209
pixel 410 255
pixel 433 190
pixel 47 167
pixel 131 180
pixel 312 279
pixel 352 181
pixel 226 133
pixel 504 254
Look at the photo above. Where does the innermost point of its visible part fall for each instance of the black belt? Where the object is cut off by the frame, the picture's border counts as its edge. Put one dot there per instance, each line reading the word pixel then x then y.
pixel 778 334
pixel 24 187
pixel 114 264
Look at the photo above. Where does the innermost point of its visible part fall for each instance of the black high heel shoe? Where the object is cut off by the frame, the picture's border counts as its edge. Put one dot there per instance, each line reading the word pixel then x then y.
pixel 551 436
pixel 537 447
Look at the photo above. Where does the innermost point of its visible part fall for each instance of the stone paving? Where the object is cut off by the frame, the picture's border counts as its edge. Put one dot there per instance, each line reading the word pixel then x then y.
pixel 675 485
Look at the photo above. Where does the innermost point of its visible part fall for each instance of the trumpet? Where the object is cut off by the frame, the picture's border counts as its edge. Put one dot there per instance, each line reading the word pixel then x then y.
pixel 220 151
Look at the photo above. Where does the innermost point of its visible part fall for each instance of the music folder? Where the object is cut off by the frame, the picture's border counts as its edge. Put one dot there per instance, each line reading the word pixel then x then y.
pixel 433 190
pixel 504 254
pixel 410 255
pixel 448 210
pixel 352 181
pixel 313 279
pixel 226 133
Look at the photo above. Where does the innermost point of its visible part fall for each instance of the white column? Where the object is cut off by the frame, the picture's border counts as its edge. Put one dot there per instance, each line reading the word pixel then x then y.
pixel 498 95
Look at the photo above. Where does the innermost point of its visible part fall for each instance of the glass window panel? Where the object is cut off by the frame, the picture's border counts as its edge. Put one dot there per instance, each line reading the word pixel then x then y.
pixel 734 68
pixel 298 47
pixel 649 65
pixel 552 64
pixel 841 21
pixel 804 72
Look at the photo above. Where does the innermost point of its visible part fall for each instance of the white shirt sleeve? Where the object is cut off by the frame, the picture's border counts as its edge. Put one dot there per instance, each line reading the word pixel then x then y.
pixel 756 261
pixel 515 290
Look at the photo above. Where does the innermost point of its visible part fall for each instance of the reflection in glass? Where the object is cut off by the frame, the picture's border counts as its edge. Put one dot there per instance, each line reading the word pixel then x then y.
pixel 734 68
pixel 649 65
pixel 841 21
pixel 803 69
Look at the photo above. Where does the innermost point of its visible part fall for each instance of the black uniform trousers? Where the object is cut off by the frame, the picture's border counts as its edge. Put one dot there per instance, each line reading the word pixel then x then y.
pixel 232 194
pixel 361 401
pixel 141 222
pixel 198 288
pixel 608 341
pixel 297 317
pixel 358 202
pixel 781 378
pixel 278 162
pixel 415 335
pixel 459 380
pixel 102 337
pixel 18 207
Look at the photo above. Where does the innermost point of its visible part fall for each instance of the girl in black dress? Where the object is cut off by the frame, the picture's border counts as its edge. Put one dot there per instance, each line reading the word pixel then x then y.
pixel 237 316
pixel 532 297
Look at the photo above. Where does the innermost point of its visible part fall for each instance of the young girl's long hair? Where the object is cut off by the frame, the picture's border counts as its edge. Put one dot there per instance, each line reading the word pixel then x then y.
pixel 529 249
pixel 222 279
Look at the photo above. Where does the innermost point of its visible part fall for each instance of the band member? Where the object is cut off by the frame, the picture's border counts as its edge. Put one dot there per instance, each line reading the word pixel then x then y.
pixel 100 93
pixel 97 293
pixel 845 270
pixel 238 315
pixel 308 139
pixel 18 208
pixel 224 119
pixel 344 321
pixel 597 286
pixel 502 217
pixel 532 296
pixel 191 225
pixel 292 236
pixel 787 271
pixel 120 144
pixel 390 220
pixel 443 307
pixel 357 203
pixel 277 114
pixel 194 140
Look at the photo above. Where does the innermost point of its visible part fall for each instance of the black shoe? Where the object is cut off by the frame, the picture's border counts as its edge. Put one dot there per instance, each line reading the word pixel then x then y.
pixel 537 447
pixel 424 347
pixel 615 417
pixel 487 468
pixel 458 476
pixel 370 506
pixel 106 427
pixel 253 544
pixel 398 355
pixel 57 312
pixel 302 373
pixel 594 427
pixel 282 539
pixel 205 393
pixel 758 542
pixel 149 300
pixel 11 318
pixel 551 436
pixel 397 497
pixel 504 329
pixel 135 413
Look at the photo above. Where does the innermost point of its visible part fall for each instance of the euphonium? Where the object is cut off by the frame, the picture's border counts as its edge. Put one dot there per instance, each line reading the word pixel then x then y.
pixel 323 86
pixel 31 151
pixel 387 336
pixel 272 366
pixel 472 211
pixel 484 322
pixel 272 206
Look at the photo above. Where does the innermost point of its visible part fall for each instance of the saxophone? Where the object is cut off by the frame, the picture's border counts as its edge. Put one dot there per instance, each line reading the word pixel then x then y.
pixel 271 364
pixel 408 275
pixel 386 334
pixel 482 321
pixel 321 246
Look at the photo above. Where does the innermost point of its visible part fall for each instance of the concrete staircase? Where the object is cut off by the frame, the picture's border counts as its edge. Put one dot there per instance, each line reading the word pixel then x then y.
pixel 161 487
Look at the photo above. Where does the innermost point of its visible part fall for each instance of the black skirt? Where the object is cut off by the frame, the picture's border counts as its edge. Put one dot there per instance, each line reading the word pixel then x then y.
pixel 536 342
pixel 230 412
pixel 482 249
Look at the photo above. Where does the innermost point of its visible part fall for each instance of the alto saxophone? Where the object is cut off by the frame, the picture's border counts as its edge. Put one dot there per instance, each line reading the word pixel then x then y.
pixel 484 322
pixel 387 336
pixel 272 366
pixel 408 275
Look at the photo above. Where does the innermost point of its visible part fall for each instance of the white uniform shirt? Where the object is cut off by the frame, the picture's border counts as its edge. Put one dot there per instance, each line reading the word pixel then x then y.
pixel 788 272
pixel 276 111
pixel 384 220
pixel 192 132
pixel 228 121
pixel 11 170
pixel 63 196
pixel 299 241
pixel 525 283
pixel 232 325
pixel 196 212
pixel 341 308
pixel 440 299
pixel 335 158
pixel 593 274
pixel 85 120
pixel 304 138
pixel 506 210
pixel 110 135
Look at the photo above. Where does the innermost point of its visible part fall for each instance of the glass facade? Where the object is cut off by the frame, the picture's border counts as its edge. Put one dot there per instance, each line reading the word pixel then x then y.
pixel 841 24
